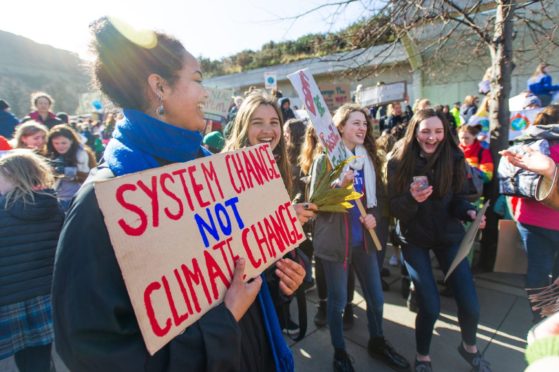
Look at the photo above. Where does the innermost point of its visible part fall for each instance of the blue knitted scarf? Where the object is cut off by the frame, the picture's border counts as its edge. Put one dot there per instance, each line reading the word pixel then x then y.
pixel 140 142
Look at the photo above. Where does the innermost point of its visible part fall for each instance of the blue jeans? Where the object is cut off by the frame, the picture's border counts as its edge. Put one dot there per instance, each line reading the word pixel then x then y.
pixel 418 263
pixel 367 269
pixel 542 248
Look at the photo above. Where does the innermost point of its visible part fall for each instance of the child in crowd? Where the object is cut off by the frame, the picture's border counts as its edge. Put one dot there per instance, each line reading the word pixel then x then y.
pixel 31 135
pixel 30 223
pixel 71 161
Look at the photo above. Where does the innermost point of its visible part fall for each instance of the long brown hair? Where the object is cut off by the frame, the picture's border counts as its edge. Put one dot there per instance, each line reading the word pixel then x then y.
pixel 448 173
pixel 310 149
pixel 239 133
pixel 340 119
pixel 71 156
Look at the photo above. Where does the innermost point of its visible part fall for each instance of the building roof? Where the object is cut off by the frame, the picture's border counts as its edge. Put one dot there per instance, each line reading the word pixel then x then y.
pixel 378 55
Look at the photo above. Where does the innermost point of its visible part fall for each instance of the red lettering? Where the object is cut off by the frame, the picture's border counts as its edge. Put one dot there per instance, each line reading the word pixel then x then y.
pixel 183 291
pixel 178 319
pixel 274 173
pixel 253 262
pixel 280 229
pixel 219 246
pixel 260 240
pixel 250 172
pixel 211 175
pixel 197 188
pixel 198 278
pixel 130 230
pixel 214 271
pixel 153 286
pixel 163 178
pixel 181 173
pixel 309 102
pixel 152 194
pixel 259 166
pixel 295 232
pixel 272 236
pixel 229 158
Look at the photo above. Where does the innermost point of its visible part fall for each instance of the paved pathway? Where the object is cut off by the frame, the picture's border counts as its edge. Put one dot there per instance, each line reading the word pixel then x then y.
pixel 505 320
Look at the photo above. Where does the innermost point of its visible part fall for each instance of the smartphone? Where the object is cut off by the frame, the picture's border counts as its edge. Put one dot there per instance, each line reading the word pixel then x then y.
pixel 422 182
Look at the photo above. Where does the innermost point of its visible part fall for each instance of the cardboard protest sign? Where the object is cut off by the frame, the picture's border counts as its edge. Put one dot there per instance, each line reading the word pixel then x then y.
pixel 218 102
pixel 467 241
pixel 383 94
pixel 511 256
pixel 321 119
pixel 178 230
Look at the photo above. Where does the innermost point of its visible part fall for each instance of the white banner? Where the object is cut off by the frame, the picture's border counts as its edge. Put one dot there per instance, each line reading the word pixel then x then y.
pixel 308 91
pixel 382 94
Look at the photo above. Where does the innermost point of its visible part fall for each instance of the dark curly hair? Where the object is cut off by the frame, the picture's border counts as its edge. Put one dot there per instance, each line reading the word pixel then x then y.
pixel 122 67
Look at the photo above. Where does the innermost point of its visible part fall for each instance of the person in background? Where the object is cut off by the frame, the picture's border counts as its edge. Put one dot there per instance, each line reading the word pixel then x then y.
pixel 286 111
pixel 540 83
pixel 484 86
pixel 429 213
pixel 395 116
pixel 42 104
pixel 535 161
pixel 476 156
pixel 31 135
pixel 537 223
pixel 469 107
pixel 160 88
pixel 71 161
pixel 8 121
pixel 214 142
pixel 30 223
pixel 64 117
pixel 455 112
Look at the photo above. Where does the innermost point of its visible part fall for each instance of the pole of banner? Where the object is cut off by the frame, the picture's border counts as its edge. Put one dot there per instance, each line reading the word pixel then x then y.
pixel 371 231
pixel 327 133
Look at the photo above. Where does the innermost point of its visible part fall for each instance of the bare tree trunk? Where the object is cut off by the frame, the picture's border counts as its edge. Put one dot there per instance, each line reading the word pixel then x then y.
pixel 499 116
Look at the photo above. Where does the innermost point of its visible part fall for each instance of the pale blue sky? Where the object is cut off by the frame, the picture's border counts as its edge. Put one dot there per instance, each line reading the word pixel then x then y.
pixel 212 28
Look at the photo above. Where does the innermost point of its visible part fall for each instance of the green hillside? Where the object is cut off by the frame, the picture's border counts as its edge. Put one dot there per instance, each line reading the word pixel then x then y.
pixel 26 66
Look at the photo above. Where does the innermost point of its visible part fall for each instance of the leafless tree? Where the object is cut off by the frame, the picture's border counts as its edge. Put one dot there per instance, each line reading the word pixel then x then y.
pixel 464 32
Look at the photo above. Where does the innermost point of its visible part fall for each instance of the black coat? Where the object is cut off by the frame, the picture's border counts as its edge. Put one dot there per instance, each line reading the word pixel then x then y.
pixel 28 237
pixel 434 223
pixel 106 336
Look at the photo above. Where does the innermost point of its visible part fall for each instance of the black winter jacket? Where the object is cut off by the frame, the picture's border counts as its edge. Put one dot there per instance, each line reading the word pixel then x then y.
pixel 434 223
pixel 28 238
pixel 100 331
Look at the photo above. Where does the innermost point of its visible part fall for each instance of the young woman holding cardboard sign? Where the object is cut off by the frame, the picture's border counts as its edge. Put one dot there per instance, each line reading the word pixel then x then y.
pixel 426 175
pixel 159 85
pixel 258 121
pixel 341 238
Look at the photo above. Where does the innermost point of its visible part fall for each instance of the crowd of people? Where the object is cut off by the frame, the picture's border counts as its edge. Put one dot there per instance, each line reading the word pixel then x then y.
pixel 415 181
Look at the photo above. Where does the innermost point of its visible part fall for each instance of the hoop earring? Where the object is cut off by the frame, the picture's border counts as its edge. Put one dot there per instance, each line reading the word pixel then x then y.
pixel 160 110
